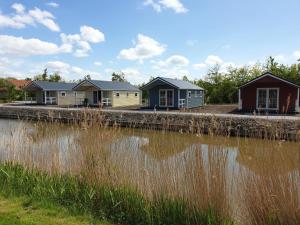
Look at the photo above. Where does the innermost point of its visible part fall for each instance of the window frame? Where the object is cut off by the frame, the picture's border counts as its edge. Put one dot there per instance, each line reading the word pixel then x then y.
pixel 63 94
pixel 267 98
pixel 166 98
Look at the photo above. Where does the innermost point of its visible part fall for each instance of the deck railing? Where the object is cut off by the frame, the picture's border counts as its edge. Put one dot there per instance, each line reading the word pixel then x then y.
pixel 51 100
pixel 181 103
pixel 106 102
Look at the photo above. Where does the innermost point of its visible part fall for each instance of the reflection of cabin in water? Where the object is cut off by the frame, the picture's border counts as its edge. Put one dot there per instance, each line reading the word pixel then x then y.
pixel 268 160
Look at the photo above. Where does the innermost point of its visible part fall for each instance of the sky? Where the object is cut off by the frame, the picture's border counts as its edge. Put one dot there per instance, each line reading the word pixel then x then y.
pixel 144 38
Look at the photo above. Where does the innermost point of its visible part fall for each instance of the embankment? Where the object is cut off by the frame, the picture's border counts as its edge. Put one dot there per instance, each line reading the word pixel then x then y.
pixel 271 127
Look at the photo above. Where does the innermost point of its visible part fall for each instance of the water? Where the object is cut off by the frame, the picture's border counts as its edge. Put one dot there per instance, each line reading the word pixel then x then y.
pixel 213 170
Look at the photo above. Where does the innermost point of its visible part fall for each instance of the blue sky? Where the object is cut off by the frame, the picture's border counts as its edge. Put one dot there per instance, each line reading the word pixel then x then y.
pixel 144 38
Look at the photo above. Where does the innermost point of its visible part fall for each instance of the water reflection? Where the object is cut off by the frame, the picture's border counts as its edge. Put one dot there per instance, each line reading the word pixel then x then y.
pixel 153 161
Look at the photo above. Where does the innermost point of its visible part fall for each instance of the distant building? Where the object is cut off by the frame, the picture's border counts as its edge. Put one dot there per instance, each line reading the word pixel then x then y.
pixel 54 93
pixel 269 93
pixel 17 84
pixel 172 93
pixel 109 93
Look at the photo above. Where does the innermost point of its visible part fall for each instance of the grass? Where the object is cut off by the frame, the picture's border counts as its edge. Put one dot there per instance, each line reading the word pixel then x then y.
pixel 119 205
pixel 24 211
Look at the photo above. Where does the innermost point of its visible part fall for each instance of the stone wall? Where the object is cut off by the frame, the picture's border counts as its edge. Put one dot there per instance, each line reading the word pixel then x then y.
pixel 273 127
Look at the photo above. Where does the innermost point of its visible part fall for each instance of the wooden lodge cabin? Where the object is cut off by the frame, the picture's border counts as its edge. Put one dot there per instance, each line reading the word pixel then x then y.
pixel 269 93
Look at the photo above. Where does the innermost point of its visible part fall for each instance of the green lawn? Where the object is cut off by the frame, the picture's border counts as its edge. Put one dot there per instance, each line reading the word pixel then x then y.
pixel 21 211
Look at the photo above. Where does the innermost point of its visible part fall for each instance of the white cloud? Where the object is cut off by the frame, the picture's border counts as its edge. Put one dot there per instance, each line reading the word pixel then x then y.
pixel 21 18
pixel 153 4
pixel 71 72
pixel 20 9
pixel 227 65
pixel 174 5
pixel 81 41
pixel 133 75
pixel 18 46
pixel 213 60
pixel 174 60
pixel 52 4
pixel 91 34
pixel 178 60
pixel 97 63
pixel 199 66
pixel 145 48
pixel 296 55
pixel 280 58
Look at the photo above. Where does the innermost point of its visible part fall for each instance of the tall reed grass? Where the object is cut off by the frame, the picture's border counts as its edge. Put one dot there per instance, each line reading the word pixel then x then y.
pixel 148 177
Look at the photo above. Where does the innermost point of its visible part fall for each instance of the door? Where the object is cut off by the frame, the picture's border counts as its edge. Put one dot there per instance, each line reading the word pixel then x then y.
pixel 268 98
pixel 95 97
pixel 166 98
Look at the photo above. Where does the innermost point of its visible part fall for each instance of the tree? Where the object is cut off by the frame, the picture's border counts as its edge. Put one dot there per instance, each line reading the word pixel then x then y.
pixel 87 77
pixel 120 77
pixel 55 77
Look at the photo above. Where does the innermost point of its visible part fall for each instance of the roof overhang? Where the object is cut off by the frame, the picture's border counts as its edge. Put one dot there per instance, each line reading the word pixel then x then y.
pixel 32 86
pixel 151 84
pixel 268 74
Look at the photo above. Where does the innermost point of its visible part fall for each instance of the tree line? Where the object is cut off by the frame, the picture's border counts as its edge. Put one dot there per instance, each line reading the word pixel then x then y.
pixel 222 87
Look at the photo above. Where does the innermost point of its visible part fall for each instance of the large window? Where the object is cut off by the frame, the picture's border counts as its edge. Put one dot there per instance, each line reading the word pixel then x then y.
pixel 166 98
pixel 267 98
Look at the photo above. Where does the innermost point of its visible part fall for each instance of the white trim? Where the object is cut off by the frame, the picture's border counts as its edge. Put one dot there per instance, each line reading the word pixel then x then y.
pixel 159 79
pixel 166 96
pixel 267 98
pixel 297 109
pixel 270 75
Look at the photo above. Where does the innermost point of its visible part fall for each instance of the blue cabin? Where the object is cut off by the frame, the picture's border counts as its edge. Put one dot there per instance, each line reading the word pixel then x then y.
pixel 172 93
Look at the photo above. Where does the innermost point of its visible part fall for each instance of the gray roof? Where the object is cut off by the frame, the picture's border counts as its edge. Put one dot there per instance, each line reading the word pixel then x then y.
pixel 111 85
pixel 180 84
pixel 51 86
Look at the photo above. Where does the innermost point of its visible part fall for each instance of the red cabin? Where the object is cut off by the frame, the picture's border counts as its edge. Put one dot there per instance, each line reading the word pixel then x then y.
pixel 269 93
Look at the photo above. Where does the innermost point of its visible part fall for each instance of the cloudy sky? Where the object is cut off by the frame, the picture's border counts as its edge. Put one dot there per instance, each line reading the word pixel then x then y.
pixel 144 37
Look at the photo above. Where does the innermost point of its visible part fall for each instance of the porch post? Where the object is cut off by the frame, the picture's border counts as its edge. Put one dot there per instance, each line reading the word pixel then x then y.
pixel 45 93
pixel 25 93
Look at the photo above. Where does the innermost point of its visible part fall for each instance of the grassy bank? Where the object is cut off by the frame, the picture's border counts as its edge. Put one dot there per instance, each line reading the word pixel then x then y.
pixel 119 205
pixel 24 211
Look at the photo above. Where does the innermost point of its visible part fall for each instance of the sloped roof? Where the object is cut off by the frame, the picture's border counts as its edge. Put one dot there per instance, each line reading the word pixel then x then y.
pixel 110 85
pixel 270 75
pixel 19 84
pixel 51 86
pixel 180 84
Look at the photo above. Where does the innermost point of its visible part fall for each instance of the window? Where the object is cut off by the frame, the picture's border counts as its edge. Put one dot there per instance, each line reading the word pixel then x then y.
pixel 63 94
pixel 166 98
pixel 135 94
pixel 127 94
pixel 117 94
pixel 75 93
pixel 267 98
pixel 189 94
